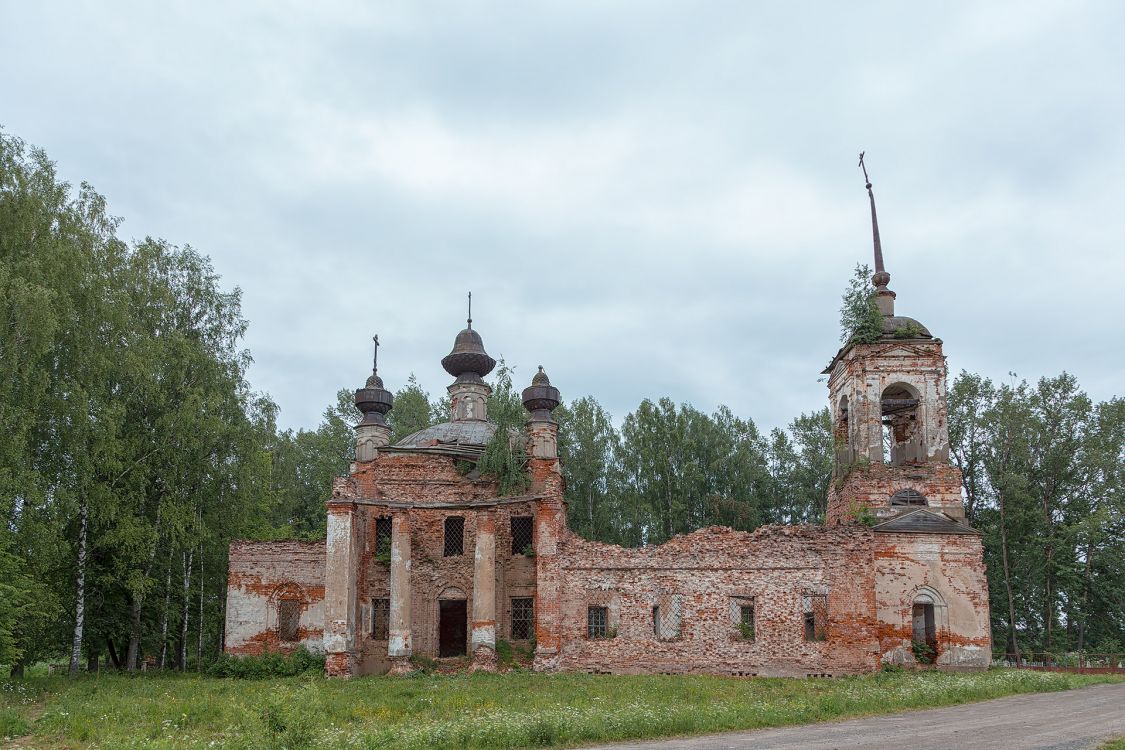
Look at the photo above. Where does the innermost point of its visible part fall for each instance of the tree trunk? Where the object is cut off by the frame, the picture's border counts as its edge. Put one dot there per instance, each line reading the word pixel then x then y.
pixel 92 660
pixel 188 557
pixel 1013 647
pixel 1085 599
pixel 167 608
pixel 17 669
pixel 134 633
pixel 113 656
pixel 80 594
pixel 199 640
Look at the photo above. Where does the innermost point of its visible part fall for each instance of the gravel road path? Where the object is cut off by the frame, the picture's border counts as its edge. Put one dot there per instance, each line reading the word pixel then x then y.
pixel 1070 720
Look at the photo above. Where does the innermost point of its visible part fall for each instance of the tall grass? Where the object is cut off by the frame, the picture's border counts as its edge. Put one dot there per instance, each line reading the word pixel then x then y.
pixel 475 711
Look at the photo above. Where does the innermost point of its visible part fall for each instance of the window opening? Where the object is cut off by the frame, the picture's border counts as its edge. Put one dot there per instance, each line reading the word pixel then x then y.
pixel 522 533
pixel 908 497
pixel 288 619
pixel 656 621
pixel 816 617
pixel 523 617
pixel 746 621
pixel 383 537
pixel 668 625
pixel 454 536
pixel 596 622
pixel 380 619
pixel 901 443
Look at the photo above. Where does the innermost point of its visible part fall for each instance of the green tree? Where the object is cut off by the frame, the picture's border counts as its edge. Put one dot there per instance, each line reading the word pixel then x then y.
pixel 860 319
pixel 414 410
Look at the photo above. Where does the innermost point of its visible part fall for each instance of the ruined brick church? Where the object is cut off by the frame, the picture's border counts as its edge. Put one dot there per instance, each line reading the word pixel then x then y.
pixel 422 558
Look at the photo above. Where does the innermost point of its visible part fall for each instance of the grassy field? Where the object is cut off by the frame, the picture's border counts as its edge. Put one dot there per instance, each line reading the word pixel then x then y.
pixel 464 711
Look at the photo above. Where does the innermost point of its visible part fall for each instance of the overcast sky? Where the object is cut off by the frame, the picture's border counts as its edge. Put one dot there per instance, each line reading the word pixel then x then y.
pixel 647 198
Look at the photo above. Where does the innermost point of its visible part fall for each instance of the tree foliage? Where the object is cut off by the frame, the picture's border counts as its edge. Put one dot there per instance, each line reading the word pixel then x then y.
pixel 860 319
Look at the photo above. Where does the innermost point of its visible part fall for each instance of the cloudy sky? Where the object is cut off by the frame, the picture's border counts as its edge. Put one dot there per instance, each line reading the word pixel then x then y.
pixel 647 198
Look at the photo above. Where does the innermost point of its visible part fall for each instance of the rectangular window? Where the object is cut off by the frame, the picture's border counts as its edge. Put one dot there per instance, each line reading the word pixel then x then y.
pixel 816 617
pixel 454 536
pixel 288 619
pixel 383 537
pixel 597 622
pixel 522 527
pixel 522 618
pixel 380 619
pixel 746 621
pixel 667 617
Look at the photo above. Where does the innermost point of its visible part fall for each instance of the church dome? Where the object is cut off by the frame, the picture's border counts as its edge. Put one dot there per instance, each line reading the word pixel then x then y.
pixel 474 432
pixel 900 326
pixel 468 356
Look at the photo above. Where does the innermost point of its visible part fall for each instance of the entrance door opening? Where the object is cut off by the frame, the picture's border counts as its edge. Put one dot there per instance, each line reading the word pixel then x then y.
pixel 925 634
pixel 452 627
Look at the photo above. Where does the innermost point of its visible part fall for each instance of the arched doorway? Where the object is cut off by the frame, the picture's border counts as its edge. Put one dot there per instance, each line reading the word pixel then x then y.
pixel 924 627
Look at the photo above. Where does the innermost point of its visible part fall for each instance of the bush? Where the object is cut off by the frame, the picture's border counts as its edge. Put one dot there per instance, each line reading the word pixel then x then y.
pixel 268 664
pixel 923 652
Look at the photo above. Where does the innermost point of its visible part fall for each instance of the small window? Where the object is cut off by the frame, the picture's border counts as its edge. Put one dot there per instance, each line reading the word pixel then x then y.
pixel 522 535
pixel 597 622
pixel 908 497
pixel 380 619
pixel 454 536
pixel 667 617
pixel 383 537
pixel 288 619
pixel 816 617
pixel 523 609
pixel 746 621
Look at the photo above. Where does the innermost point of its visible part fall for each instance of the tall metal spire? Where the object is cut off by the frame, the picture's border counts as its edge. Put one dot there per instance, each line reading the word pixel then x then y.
pixel 375 358
pixel 470 311
pixel 880 278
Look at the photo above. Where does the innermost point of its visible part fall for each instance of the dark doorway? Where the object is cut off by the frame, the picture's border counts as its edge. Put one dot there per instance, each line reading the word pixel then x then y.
pixel 924 632
pixel 452 627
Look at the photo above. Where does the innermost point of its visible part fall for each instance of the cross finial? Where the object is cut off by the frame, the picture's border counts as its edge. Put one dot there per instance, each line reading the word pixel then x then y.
pixel 470 310
pixel 375 358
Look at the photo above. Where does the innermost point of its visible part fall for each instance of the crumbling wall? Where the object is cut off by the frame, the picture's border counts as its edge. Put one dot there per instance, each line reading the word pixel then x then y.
pixel 422 480
pixel 946 568
pixel 700 578
pixel 871 486
pixel 261 574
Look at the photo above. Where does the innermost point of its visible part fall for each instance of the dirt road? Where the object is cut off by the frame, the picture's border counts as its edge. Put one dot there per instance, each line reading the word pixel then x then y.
pixel 1071 720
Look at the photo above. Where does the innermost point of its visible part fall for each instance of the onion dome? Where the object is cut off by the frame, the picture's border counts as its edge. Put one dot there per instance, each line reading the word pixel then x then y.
pixel 541 398
pixel 373 399
pixel 468 362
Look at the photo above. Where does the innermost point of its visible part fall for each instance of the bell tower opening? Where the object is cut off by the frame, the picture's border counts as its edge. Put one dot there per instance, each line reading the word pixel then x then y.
pixel 902 442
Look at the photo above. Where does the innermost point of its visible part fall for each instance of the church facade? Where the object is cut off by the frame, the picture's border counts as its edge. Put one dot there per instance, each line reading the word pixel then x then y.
pixel 425 558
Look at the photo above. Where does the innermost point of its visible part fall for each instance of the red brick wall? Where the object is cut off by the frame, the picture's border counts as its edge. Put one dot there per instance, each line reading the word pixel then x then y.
pixel 872 485
pixel 949 568
pixel 776 565
pixel 260 574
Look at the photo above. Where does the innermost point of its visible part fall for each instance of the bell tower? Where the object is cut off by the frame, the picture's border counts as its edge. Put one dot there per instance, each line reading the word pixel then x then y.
pixel 887 399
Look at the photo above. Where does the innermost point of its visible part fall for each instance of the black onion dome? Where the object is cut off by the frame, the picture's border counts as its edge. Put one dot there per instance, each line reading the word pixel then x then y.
pixel 468 356
pixel 541 398
pixel 374 401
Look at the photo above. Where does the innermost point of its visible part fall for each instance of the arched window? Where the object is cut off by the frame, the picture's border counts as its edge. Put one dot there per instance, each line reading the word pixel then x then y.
pixel 901 434
pixel 908 497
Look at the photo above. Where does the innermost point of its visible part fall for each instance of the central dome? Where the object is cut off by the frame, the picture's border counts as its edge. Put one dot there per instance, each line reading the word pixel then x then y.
pixel 468 356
